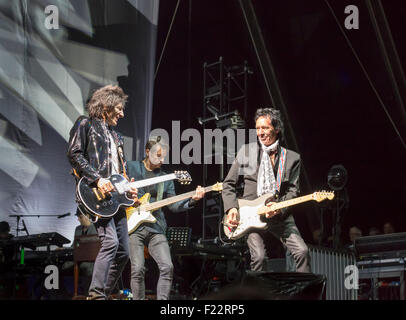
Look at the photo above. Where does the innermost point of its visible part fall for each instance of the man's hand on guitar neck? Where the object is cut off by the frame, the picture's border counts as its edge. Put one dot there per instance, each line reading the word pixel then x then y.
pixel 233 217
pixel 271 213
pixel 134 194
pixel 199 194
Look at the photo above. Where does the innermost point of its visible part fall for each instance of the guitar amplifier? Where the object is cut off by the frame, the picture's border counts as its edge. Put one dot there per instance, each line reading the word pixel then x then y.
pixel 379 257
pixel 86 248
pixel 380 243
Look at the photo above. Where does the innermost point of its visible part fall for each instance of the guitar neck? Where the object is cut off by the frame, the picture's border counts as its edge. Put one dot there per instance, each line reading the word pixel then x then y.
pixel 291 202
pixel 166 202
pixel 151 181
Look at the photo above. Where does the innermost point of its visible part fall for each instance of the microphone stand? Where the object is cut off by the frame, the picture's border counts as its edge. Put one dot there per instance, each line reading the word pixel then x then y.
pixel 19 216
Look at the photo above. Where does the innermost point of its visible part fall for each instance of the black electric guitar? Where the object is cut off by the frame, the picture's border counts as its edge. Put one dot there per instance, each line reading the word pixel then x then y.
pixel 92 201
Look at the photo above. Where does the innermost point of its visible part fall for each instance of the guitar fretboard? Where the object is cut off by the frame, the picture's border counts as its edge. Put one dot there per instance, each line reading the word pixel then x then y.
pixel 151 181
pixel 285 204
pixel 170 200
pixel 291 202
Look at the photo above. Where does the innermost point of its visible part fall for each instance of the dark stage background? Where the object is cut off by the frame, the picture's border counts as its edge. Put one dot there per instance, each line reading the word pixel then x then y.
pixel 335 115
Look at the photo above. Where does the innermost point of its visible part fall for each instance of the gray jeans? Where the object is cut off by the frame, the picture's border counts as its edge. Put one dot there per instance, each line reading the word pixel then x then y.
pixel 290 237
pixel 159 250
pixel 112 256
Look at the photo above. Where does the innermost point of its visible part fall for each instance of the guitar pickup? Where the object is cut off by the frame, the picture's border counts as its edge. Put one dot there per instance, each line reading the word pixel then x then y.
pixel 99 195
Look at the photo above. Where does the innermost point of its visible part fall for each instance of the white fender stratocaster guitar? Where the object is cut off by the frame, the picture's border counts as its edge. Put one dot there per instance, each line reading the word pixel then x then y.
pixel 252 212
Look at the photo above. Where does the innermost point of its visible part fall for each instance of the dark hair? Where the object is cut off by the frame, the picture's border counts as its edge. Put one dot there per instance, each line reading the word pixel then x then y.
pixel 274 115
pixel 4 226
pixel 104 100
pixel 156 140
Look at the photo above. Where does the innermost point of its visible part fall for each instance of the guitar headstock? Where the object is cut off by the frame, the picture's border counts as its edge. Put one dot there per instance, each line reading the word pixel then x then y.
pixel 323 195
pixel 183 177
pixel 218 187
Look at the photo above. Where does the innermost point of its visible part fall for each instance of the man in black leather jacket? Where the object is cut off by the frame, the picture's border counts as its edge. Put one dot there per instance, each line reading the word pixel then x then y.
pixel 96 152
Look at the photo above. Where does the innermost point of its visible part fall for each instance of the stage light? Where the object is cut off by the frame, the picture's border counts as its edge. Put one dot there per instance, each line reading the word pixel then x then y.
pixel 337 177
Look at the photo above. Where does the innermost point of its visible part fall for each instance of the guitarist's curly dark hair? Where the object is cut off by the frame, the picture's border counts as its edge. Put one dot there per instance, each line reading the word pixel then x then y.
pixel 104 100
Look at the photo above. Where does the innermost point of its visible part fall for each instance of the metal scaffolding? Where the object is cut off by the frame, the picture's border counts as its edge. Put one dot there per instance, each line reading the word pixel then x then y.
pixel 225 96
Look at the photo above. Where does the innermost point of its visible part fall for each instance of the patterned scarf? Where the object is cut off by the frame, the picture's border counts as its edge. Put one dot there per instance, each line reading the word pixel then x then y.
pixel 266 179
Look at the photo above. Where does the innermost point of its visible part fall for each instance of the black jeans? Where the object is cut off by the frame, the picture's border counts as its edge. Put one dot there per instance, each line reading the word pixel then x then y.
pixel 287 232
pixel 113 254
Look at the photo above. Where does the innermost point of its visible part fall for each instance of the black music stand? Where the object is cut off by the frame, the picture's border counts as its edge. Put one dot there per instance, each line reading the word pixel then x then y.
pixel 178 237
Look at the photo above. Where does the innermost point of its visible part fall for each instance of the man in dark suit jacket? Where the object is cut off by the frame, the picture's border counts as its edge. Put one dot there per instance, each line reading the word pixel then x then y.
pixel 266 167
